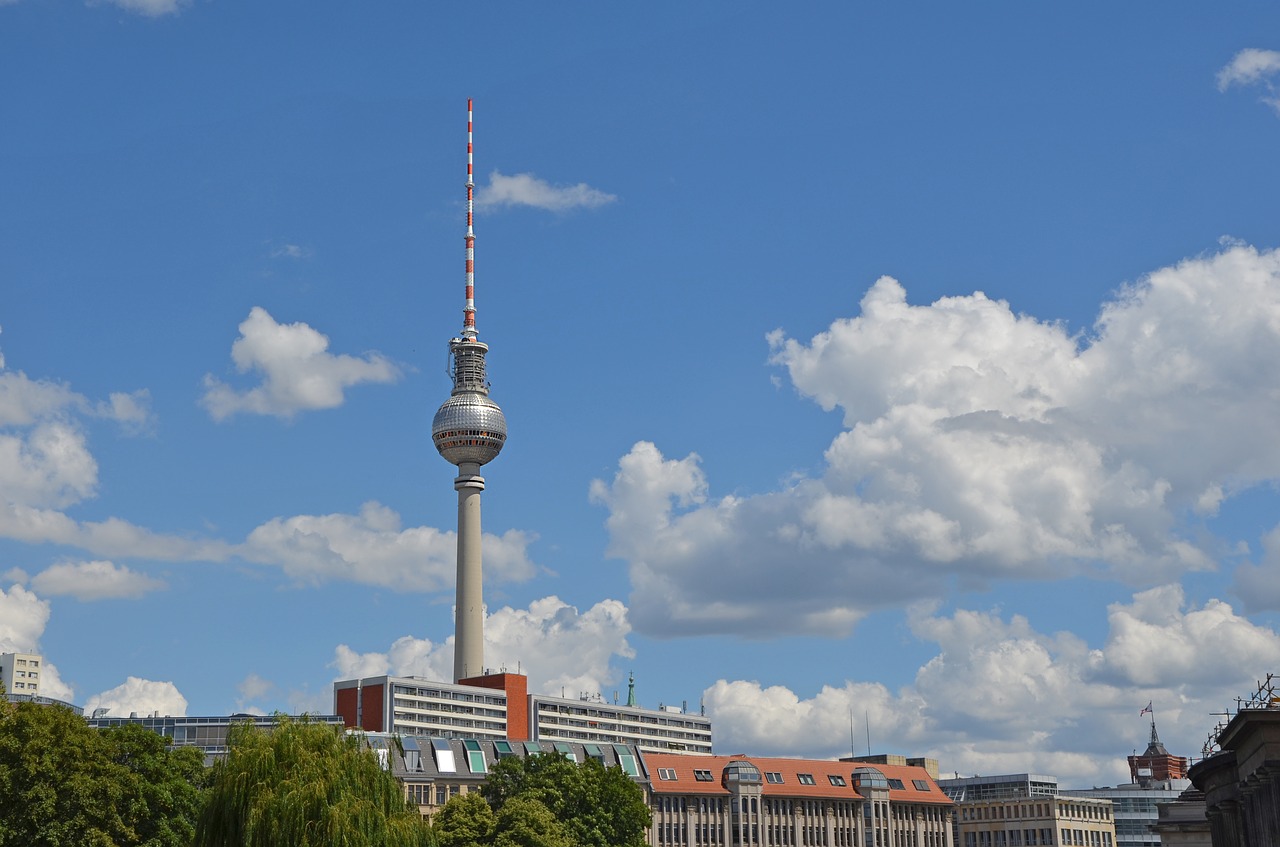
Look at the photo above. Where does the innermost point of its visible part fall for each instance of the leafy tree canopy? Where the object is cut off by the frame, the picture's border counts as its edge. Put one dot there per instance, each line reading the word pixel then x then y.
pixel 597 806
pixel 305 784
pixel 64 784
pixel 466 820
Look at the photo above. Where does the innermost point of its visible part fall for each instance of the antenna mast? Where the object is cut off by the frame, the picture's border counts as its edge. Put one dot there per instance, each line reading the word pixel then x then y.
pixel 469 312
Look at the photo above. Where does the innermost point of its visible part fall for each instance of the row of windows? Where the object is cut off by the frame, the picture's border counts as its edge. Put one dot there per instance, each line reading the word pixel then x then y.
pixel 1037 837
pixel 609 714
pixel 550 723
pixel 437 694
pixel 1080 811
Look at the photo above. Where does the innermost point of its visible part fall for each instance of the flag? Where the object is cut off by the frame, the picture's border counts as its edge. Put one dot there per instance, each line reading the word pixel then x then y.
pixel 1147 710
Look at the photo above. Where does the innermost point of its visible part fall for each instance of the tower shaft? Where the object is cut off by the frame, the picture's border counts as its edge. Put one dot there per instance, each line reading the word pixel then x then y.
pixel 468 639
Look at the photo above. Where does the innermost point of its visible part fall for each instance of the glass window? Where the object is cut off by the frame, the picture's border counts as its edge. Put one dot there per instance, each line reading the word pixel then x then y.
pixel 626 760
pixel 475 756
pixel 503 749
pixel 702 775
pixel 773 776
pixel 835 779
pixel 444 756
pixel 562 747
pixel 805 778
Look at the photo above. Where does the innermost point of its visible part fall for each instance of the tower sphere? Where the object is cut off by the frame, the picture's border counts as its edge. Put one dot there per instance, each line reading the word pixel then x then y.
pixel 469 427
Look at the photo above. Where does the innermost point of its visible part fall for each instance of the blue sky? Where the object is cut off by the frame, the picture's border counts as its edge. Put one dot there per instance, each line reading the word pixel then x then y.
pixel 913 362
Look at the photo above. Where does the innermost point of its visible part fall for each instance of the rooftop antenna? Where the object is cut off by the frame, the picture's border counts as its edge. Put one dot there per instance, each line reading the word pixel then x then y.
pixel 868 717
pixel 853 750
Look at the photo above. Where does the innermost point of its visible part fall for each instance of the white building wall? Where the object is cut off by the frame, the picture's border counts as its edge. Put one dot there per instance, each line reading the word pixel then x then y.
pixel 21 672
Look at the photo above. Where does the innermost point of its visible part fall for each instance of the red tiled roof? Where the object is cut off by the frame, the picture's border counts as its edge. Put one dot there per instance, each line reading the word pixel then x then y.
pixel 686 783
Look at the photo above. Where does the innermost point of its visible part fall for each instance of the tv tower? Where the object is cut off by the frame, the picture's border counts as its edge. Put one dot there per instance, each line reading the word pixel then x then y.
pixel 469 431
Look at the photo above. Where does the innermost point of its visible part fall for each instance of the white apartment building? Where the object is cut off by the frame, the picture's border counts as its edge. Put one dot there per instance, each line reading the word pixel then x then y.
pixel 668 729
pixel 20 672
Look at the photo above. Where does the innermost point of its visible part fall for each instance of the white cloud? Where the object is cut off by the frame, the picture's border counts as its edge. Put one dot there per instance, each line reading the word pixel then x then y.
pixel 131 411
pixel 252 687
pixel 1159 642
pixel 979 444
pixel 1002 697
pixel 1252 66
pixel 98 580
pixel 1249 66
pixel 555 645
pixel 1259 584
pixel 298 373
pixel 143 696
pixel 372 548
pixel 290 251
pixel 48 465
pixel 23 617
pixel 528 190
pixel 149 8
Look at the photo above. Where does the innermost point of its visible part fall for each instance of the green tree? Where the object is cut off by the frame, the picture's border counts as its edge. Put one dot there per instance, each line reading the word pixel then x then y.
pixel 465 821
pixel 598 806
pixel 526 822
pixel 305 784
pixel 65 784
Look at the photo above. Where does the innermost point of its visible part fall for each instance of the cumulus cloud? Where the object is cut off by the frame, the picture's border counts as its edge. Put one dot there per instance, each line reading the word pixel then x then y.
pixel 298 373
pixel 1000 696
pixel 1252 66
pixel 979 444
pixel 143 696
pixel 23 617
pixel 555 645
pixel 46 466
pixel 374 549
pixel 97 580
pixel 528 190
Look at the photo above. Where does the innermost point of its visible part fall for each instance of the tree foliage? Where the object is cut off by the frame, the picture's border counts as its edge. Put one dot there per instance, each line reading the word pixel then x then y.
pixel 465 821
pixel 305 784
pixel 597 806
pixel 64 784
pixel 526 822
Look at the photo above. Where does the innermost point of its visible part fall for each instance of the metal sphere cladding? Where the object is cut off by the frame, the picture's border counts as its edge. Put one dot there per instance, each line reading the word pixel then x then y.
pixel 469 428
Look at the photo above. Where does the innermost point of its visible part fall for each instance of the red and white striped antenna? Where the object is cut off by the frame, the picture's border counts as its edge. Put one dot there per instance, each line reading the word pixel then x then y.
pixel 469 313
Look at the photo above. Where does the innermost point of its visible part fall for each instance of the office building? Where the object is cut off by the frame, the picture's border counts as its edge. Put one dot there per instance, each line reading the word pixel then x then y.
pixel 209 734
pixel 719 801
pixel 499 706
pixel 1026 810
pixel 1157 777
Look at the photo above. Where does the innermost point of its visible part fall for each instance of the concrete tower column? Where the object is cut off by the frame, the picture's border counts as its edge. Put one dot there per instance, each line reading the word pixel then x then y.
pixel 468 639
